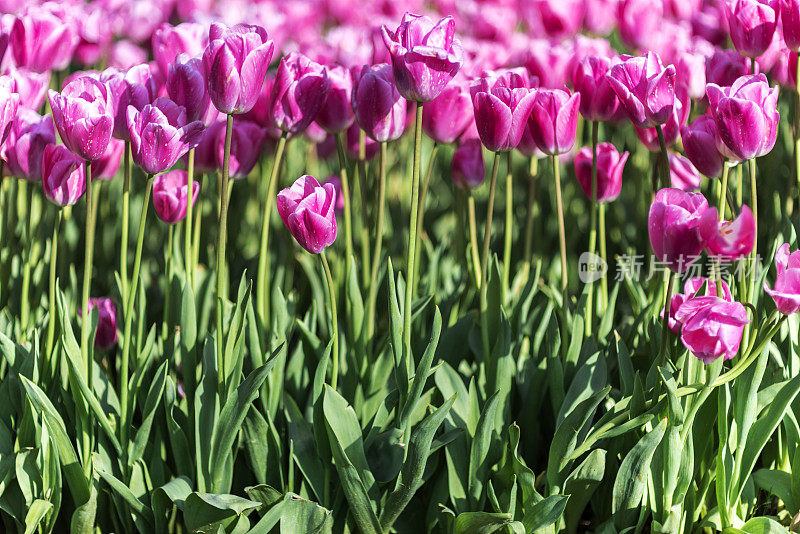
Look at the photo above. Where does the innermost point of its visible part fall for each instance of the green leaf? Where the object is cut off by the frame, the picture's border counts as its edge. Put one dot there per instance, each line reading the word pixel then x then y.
pixel 207 512
pixel 479 454
pixel 136 506
pixel 36 512
pixel 164 497
pixel 302 515
pixel 759 525
pixel 545 512
pixel 485 523
pixel 154 395
pixel 631 481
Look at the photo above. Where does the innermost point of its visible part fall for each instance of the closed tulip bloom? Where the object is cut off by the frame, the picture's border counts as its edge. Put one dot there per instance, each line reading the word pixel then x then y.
pixel 725 66
pixel 425 55
pixel 690 73
pixel 467 168
pixel 790 22
pixel 190 38
pixel 105 336
pixel 786 292
pixel 448 115
pixel 674 226
pixel 639 21
pixel 377 104
pixel 63 179
pixel 501 112
pixel 752 24
pixel 712 327
pixel 672 128
pixel 160 135
pixel 42 41
pixel 554 119
pixel 682 174
pixel 186 86
pixel 729 240
pixel 598 99
pixel 9 104
pixel 107 166
pixel 171 194
pixel 236 61
pixel 308 211
pixel 700 145
pixel 336 114
pixel 30 134
pixel 84 116
pixel 29 85
pixel 247 139
pixel 746 115
pixel 645 88
pixel 301 87
pixel 692 289
pixel 610 164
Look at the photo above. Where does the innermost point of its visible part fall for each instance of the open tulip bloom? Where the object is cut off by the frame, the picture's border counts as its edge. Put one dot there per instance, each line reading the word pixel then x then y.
pixel 786 291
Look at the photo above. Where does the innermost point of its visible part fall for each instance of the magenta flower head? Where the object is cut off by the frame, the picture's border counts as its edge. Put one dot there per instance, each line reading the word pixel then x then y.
pixel 752 24
pixel 301 87
pixel 790 22
pixel 682 174
pixel 236 61
pixel 610 164
pixel 63 178
pixel 725 66
pixel 425 55
pixel 308 211
pixel 502 107
pixel 107 166
pixel 558 19
pixel 786 292
pixel 170 195
pixel 377 104
pixel 135 87
pixel 9 104
pixel 467 168
pixel 729 240
pixel 336 114
pixel 42 41
pixel 712 327
pixel 674 225
pixel 672 128
pixel 30 86
pixel 160 135
pixel 84 116
pixel 186 86
pixel 247 139
pixel 598 100
pixel 30 134
pixel 106 335
pixel 336 181
pixel 554 119
pixel 645 88
pixel 448 115
pixel 190 38
pixel 746 115
pixel 700 145
pixel 692 290
pixel 639 21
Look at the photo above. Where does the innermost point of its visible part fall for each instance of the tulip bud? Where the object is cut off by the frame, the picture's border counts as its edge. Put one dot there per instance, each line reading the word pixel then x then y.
pixel 106 334
pixel 674 225
pixel 377 104
pixel 84 116
pixel 700 144
pixel 790 22
pixel 672 128
pixel 186 86
pixel 170 195
pixel 448 115
pixel 30 134
pixel 752 24
pixel 598 99
pixel 336 114
pixel 557 19
pixel 468 169
pixel 554 119
pixel 609 171
pixel 786 292
pixel 135 87
pixel 30 86
pixel 502 107
pixel 308 211
pixel 725 66
pixel 301 87
pixel 639 21
pixel 646 90
pixel 63 177
pixel 691 290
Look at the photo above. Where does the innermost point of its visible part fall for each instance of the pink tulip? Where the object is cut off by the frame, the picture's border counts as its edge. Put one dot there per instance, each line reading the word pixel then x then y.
pixel 549 63
pixel 169 42
pixel 30 134
pixel 106 334
pixel 336 114
pixel 600 16
pixel 186 86
pixel 672 128
pixel 448 115
pixel 729 240
pixel 63 177
pixel 610 164
pixel 639 21
pixel 377 104
pixel 700 144
pixel 786 292
pixel 9 104
pixel 682 174
pixel 135 87
pixel 645 88
pixel 725 67
pixel 790 23
pixel 107 166
pixel 170 195
pixel 467 168
pixel 94 37
pixel 712 327
pixel 752 24
pixel 598 100
pixel 308 211
pixel 247 139
pixel 125 54
pixel 502 107
pixel 29 85
pixel 690 73
pixel 674 226
pixel 692 290
pixel 557 19
pixel 301 87
pixel 84 116
pixel 554 119
pixel 425 55
pixel 42 40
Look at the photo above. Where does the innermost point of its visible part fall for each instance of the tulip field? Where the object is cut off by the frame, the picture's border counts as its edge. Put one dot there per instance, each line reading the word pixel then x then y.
pixel 399 266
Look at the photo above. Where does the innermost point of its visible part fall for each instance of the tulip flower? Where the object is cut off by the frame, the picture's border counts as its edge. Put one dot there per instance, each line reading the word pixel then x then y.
pixel 377 104
pixel 683 175
pixel 170 195
pixel 554 119
pixel 610 164
pixel 790 23
pixel 336 114
pixel 42 40
pixel 598 100
pixel 786 292
pixel 337 188
pixel 186 86
pixel 672 128
pixel 105 336
pixel 425 55
pixel 307 209
pixel 557 19
pixel 645 89
pixel 712 327
pixel 725 66
pixel 247 139
pixel 692 290
pixel 84 116
pixel 501 111
pixel 700 144
pixel 729 240
pixel 236 61
pixel 29 85
pixel 467 168
pixel 125 54
pixel 107 166
pixel 674 226
pixel 551 64
pixel 30 134
pixel 639 21
pixel 752 24
pixel 9 104
pixel 135 87
pixel 600 16
pixel 746 115
pixel 63 177
pixel 448 115
pixel 190 38
pixel 160 135
pixel 301 87
pixel 690 73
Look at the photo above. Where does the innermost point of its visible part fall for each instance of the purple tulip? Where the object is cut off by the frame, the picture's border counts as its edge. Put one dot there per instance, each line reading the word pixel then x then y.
pixel 610 164
pixel 549 63
pixel 301 87
pixel 236 61
pixel 308 211
pixel 94 39
pixel 336 114
pixel 554 119
pixel 30 134
pixel 700 145
pixel 746 115
pixel 425 55
pixel 9 104
pixel 41 40
pixel 63 177
pixel 692 290
pixel 377 104
pixel 502 107
pixel 84 116
pixel 639 21
pixel 134 87
pixel 682 174
pixel 674 225
pixel 107 166
pixel 752 24
pixel 729 240
pixel 786 292
pixel 557 19
pixel 170 41
pixel 29 85
pixel 247 139
pixel 467 168
pixel 712 327
pixel 160 135
pixel 186 86
pixel 106 335
pixel 790 22
pixel 646 90
pixel 598 100
pixel 170 195
pixel 725 66
pixel 690 73
pixel 448 115
pixel 672 128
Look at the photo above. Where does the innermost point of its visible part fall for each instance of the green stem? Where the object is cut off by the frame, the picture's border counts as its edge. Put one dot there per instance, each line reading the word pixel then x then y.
pixel 533 170
pixel 601 220
pixel 562 240
pixel 88 253
pixel 487 240
pixel 126 216
pixel 376 260
pixel 473 239
pixel 168 281
pixel 754 206
pixel 665 323
pixel 664 160
pixel 221 242
pixel 348 218
pixel 412 239
pixel 187 224
pixel 361 171
pixel 51 301
pixel 421 214
pixel 509 226
pixel 196 230
pixel 334 321
pixel 26 268
pixel 592 227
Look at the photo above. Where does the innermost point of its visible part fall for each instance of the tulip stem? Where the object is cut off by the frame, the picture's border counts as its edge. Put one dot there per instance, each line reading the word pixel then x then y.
pixel 88 254
pixel 533 170
pixel 361 170
pixel 665 328
pixel 562 240
pixel 334 321
pixel 473 238
pixel 601 220
pixel 196 230
pixel 221 242
pixel 487 240
pixel 168 280
pixel 723 191
pixel 376 259
pixel 126 215
pixel 508 230
pixel 187 224
pixel 664 159
pixel 754 253
pixel 592 228
pixel 421 214
pixel 51 301
pixel 412 239
pixel 348 220
pixel 27 202
pixel 127 334
pixel 262 285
